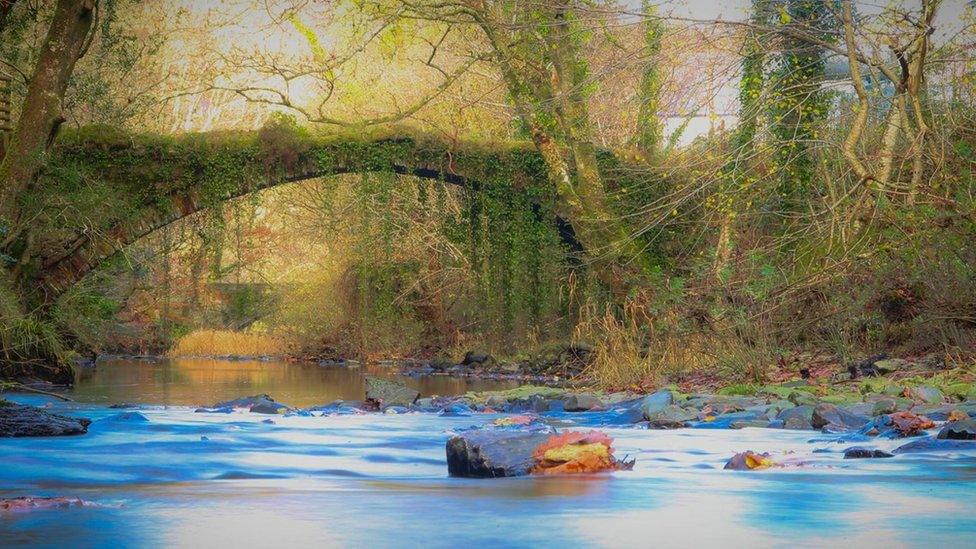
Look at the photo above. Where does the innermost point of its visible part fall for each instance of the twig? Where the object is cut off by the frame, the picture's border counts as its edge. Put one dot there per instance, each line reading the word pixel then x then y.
pixel 22 387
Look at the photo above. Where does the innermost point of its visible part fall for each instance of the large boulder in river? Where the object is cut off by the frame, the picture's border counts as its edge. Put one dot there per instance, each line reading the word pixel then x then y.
pixel 492 453
pixel 385 392
pixel 28 421
pixel 269 407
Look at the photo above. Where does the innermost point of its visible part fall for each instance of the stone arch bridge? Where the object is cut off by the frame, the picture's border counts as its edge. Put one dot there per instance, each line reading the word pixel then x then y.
pixel 104 189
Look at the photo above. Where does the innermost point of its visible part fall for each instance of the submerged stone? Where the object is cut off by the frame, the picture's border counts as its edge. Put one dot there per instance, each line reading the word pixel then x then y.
pixel 27 421
pixel 744 423
pixel 128 416
pixel 32 503
pixel 858 452
pixel 224 410
pixel 456 410
pixel 932 444
pixel 243 402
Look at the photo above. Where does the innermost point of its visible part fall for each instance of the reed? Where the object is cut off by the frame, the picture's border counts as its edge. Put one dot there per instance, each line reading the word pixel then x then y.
pixel 227 343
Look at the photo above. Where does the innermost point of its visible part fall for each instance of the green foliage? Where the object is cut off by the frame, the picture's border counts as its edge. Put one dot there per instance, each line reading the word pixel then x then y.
pixel 739 389
pixel 650 129
pixel 25 338
pixel 798 104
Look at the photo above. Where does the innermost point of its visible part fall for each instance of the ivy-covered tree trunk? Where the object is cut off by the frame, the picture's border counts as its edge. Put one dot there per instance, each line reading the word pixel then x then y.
pixel 29 344
pixel 41 114
pixel 733 179
pixel 650 130
pixel 554 112
pixel 608 237
pixel 798 103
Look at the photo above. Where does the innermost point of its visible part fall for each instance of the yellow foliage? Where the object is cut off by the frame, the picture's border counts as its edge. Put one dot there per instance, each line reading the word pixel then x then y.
pixel 758 461
pixel 571 452
pixel 227 343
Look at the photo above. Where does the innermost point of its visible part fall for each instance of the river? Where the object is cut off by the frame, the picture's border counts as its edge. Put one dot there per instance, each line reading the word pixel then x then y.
pixel 237 480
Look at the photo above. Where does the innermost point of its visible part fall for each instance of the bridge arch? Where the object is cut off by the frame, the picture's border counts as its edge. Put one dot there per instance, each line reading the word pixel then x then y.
pixel 149 181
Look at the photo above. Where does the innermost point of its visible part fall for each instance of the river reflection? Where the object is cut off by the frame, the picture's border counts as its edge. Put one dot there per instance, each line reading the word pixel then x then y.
pixel 196 382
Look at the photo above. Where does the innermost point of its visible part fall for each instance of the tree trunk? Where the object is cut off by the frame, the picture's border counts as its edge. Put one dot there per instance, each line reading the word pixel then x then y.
pixel 41 114
pixel 650 130
pixel 608 239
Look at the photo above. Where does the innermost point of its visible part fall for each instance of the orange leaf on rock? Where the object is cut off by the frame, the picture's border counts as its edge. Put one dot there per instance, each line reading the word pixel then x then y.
pixel 575 452
pixel 909 424
pixel 750 461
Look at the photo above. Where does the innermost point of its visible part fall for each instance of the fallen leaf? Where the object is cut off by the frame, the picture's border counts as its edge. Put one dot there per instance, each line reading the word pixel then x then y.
pixel 750 461
pixel 957 415
pixel 576 452
pixel 909 424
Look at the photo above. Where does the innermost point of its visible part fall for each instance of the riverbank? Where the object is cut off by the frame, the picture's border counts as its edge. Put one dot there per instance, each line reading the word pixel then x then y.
pixel 568 367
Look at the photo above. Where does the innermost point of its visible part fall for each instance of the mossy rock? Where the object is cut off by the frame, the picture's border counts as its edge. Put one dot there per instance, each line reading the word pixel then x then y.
pixel 739 389
pixel 960 390
pixel 523 392
pixel 803 398
pixel 842 398
pixel 874 385
pixel 779 391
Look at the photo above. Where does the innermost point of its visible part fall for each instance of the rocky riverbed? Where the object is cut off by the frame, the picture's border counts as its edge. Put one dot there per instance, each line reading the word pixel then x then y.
pixel 924 416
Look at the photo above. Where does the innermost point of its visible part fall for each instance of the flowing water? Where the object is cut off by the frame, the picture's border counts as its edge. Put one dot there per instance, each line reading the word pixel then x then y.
pixel 239 480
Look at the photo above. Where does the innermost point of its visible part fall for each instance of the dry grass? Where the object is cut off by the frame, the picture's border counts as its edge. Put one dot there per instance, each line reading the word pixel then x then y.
pixel 227 343
pixel 630 354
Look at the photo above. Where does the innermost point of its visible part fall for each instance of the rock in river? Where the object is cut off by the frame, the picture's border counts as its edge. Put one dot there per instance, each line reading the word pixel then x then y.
pixel 656 402
pixel 959 430
pixel 387 392
pixel 258 404
pixel 936 445
pixel 28 421
pixel 926 394
pixel 858 452
pixel 582 402
pixel 490 454
pixel 830 416
pixel 669 417
pixel 800 417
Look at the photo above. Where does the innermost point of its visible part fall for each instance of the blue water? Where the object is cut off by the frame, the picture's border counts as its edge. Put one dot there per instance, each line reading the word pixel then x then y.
pixel 213 480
